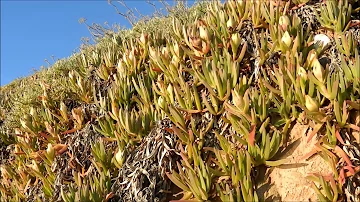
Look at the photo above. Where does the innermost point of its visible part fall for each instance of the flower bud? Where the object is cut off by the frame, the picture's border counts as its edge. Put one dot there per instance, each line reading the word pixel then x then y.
pixel 204 33
pixel 175 61
pixel 50 152
pixel 80 83
pixel 161 102
pixel 284 22
pixel 71 74
pixel 23 123
pixel 311 57
pixel 231 22
pixel 236 39
pixel 119 157
pixel 144 38
pixel 27 118
pixel 198 53
pixel 318 70
pixel 238 102
pixel 286 39
pixel 33 112
pixel 165 52
pixel 124 58
pixel 17 149
pixel 115 109
pixel 152 52
pixel 131 55
pixel 170 91
pixel 241 2
pixel 34 166
pixel 4 173
pixel 302 73
pixel 63 111
pixel 177 49
pixel 311 104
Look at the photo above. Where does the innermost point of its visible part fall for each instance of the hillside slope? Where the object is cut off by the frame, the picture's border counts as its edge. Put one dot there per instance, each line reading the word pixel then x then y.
pixel 217 102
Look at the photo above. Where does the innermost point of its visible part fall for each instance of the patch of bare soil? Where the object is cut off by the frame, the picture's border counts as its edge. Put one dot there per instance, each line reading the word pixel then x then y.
pixel 287 182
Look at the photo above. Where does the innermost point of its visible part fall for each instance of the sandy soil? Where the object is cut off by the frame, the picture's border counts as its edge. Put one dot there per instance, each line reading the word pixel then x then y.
pixel 288 182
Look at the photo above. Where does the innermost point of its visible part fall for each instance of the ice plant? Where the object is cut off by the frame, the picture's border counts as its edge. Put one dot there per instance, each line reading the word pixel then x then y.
pixel 346 43
pixel 335 16
pixel 200 103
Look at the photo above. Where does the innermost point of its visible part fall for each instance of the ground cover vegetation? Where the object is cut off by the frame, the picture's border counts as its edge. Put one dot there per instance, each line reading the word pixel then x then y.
pixel 190 106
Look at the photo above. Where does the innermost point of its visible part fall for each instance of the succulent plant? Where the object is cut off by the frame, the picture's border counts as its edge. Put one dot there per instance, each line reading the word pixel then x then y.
pixel 221 91
pixel 194 180
pixel 330 190
pixel 335 16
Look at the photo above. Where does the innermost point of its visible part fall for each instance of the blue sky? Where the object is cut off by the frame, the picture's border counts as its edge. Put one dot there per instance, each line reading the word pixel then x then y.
pixel 32 31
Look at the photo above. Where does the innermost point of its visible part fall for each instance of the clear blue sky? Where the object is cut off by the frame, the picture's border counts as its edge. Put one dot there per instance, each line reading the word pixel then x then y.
pixel 32 31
